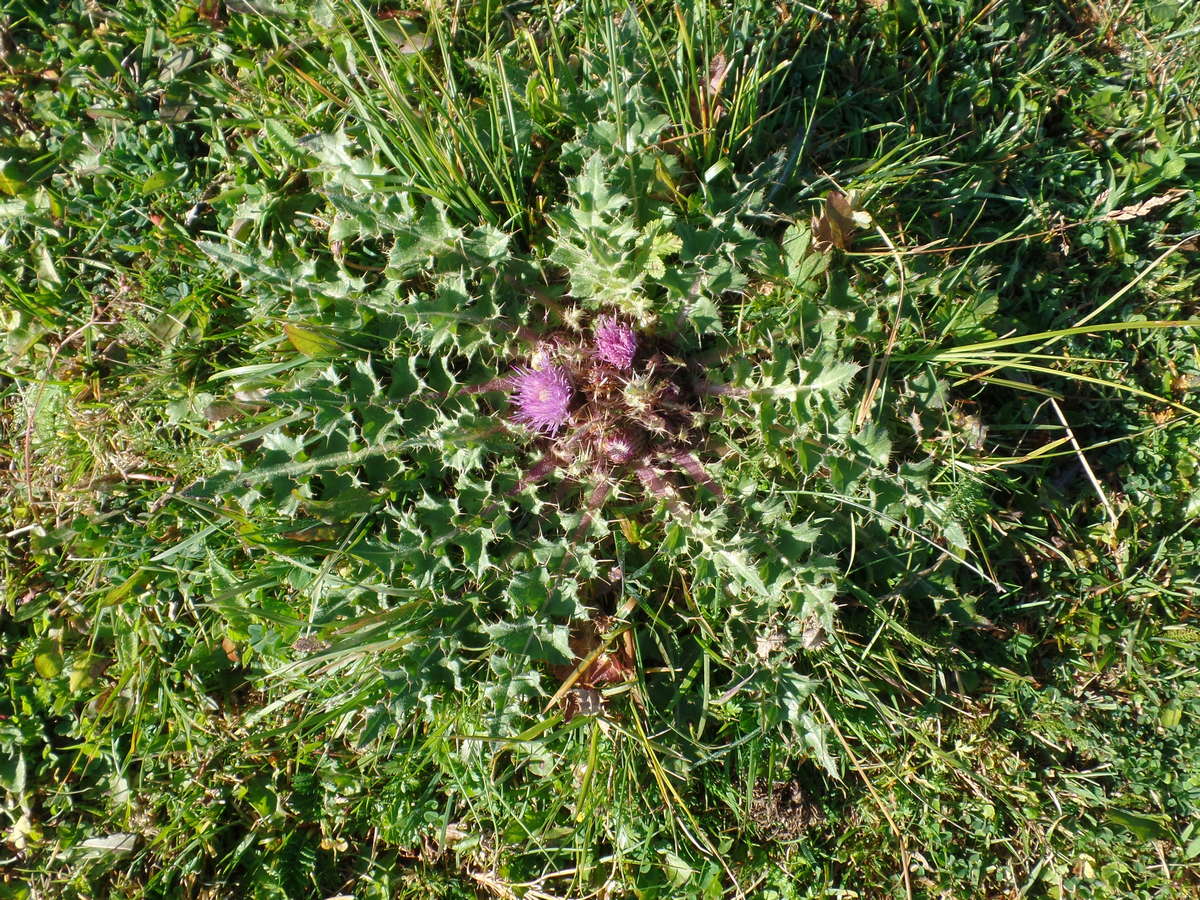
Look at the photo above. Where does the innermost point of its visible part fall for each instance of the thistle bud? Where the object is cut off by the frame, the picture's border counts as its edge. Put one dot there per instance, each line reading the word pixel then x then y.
pixel 616 343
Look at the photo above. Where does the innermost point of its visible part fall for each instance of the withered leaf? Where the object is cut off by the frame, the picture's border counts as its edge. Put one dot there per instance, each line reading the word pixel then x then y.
pixel 767 645
pixel 838 222
pixel 309 645
pixel 210 11
pixel 608 668
pixel 717 70
pixel 611 666
pixel 1138 210
pixel 398 14
pixel 814 636
pixel 708 107
pixel 582 702
pixel 1181 384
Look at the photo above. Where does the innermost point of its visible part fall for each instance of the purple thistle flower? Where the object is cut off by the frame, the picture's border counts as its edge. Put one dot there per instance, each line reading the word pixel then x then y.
pixel 542 397
pixel 621 446
pixel 616 343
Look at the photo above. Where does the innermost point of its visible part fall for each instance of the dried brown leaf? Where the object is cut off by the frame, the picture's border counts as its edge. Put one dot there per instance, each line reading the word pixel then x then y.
pixel 767 645
pixel 718 69
pixel 1181 384
pixel 611 666
pixel 707 107
pixel 837 223
pixel 814 636
pixel 211 11
pixel 1138 210
pixel 582 702
pixel 309 645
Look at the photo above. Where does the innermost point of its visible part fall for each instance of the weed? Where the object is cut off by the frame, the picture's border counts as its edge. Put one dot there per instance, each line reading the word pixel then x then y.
pixel 867 330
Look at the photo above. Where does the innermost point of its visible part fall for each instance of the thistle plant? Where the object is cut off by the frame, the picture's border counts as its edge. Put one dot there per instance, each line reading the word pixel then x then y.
pixel 605 404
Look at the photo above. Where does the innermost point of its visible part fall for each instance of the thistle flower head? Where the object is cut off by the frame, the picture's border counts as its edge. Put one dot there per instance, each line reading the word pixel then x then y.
pixel 621 446
pixel 616 343
pixel 542 398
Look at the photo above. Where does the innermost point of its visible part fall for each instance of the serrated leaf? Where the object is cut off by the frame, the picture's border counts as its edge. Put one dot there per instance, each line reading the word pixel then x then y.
pixel 797 244
pixel 337 159
pixel 705 316
pixel 956 535
pixel 875 442
pixel 594 199
pixel 283 141
pixel 474 547
pixel 793 540
pixel 487 243
pixel 819 604
pixel 831 377
pixel 530 638
pixel 793 690
pixel 735 562
pixel 827 377
pixel 815 738
pixel 427 237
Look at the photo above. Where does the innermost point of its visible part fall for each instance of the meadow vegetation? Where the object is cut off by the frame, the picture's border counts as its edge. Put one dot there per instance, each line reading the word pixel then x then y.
pixel 599 450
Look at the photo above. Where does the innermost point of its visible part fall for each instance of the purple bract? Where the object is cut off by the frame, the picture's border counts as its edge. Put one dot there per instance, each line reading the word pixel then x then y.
pixel 622 446
pixel 616 343
pixel 542 397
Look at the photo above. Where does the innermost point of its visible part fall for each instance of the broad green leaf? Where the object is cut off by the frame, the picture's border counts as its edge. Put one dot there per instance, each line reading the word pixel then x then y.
pixel 14 178
pixel 81 674
pixel 1142 825
pixel 13 772
pixel 347 503
pixel 310 342
pixel 159 180
pixel 48 661
pixel 678 871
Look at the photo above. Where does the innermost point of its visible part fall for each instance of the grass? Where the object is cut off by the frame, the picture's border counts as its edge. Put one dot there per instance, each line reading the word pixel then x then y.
pixel 285 614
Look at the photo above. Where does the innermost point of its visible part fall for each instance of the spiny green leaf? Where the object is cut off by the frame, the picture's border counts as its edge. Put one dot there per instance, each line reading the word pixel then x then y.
pixel 529 637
